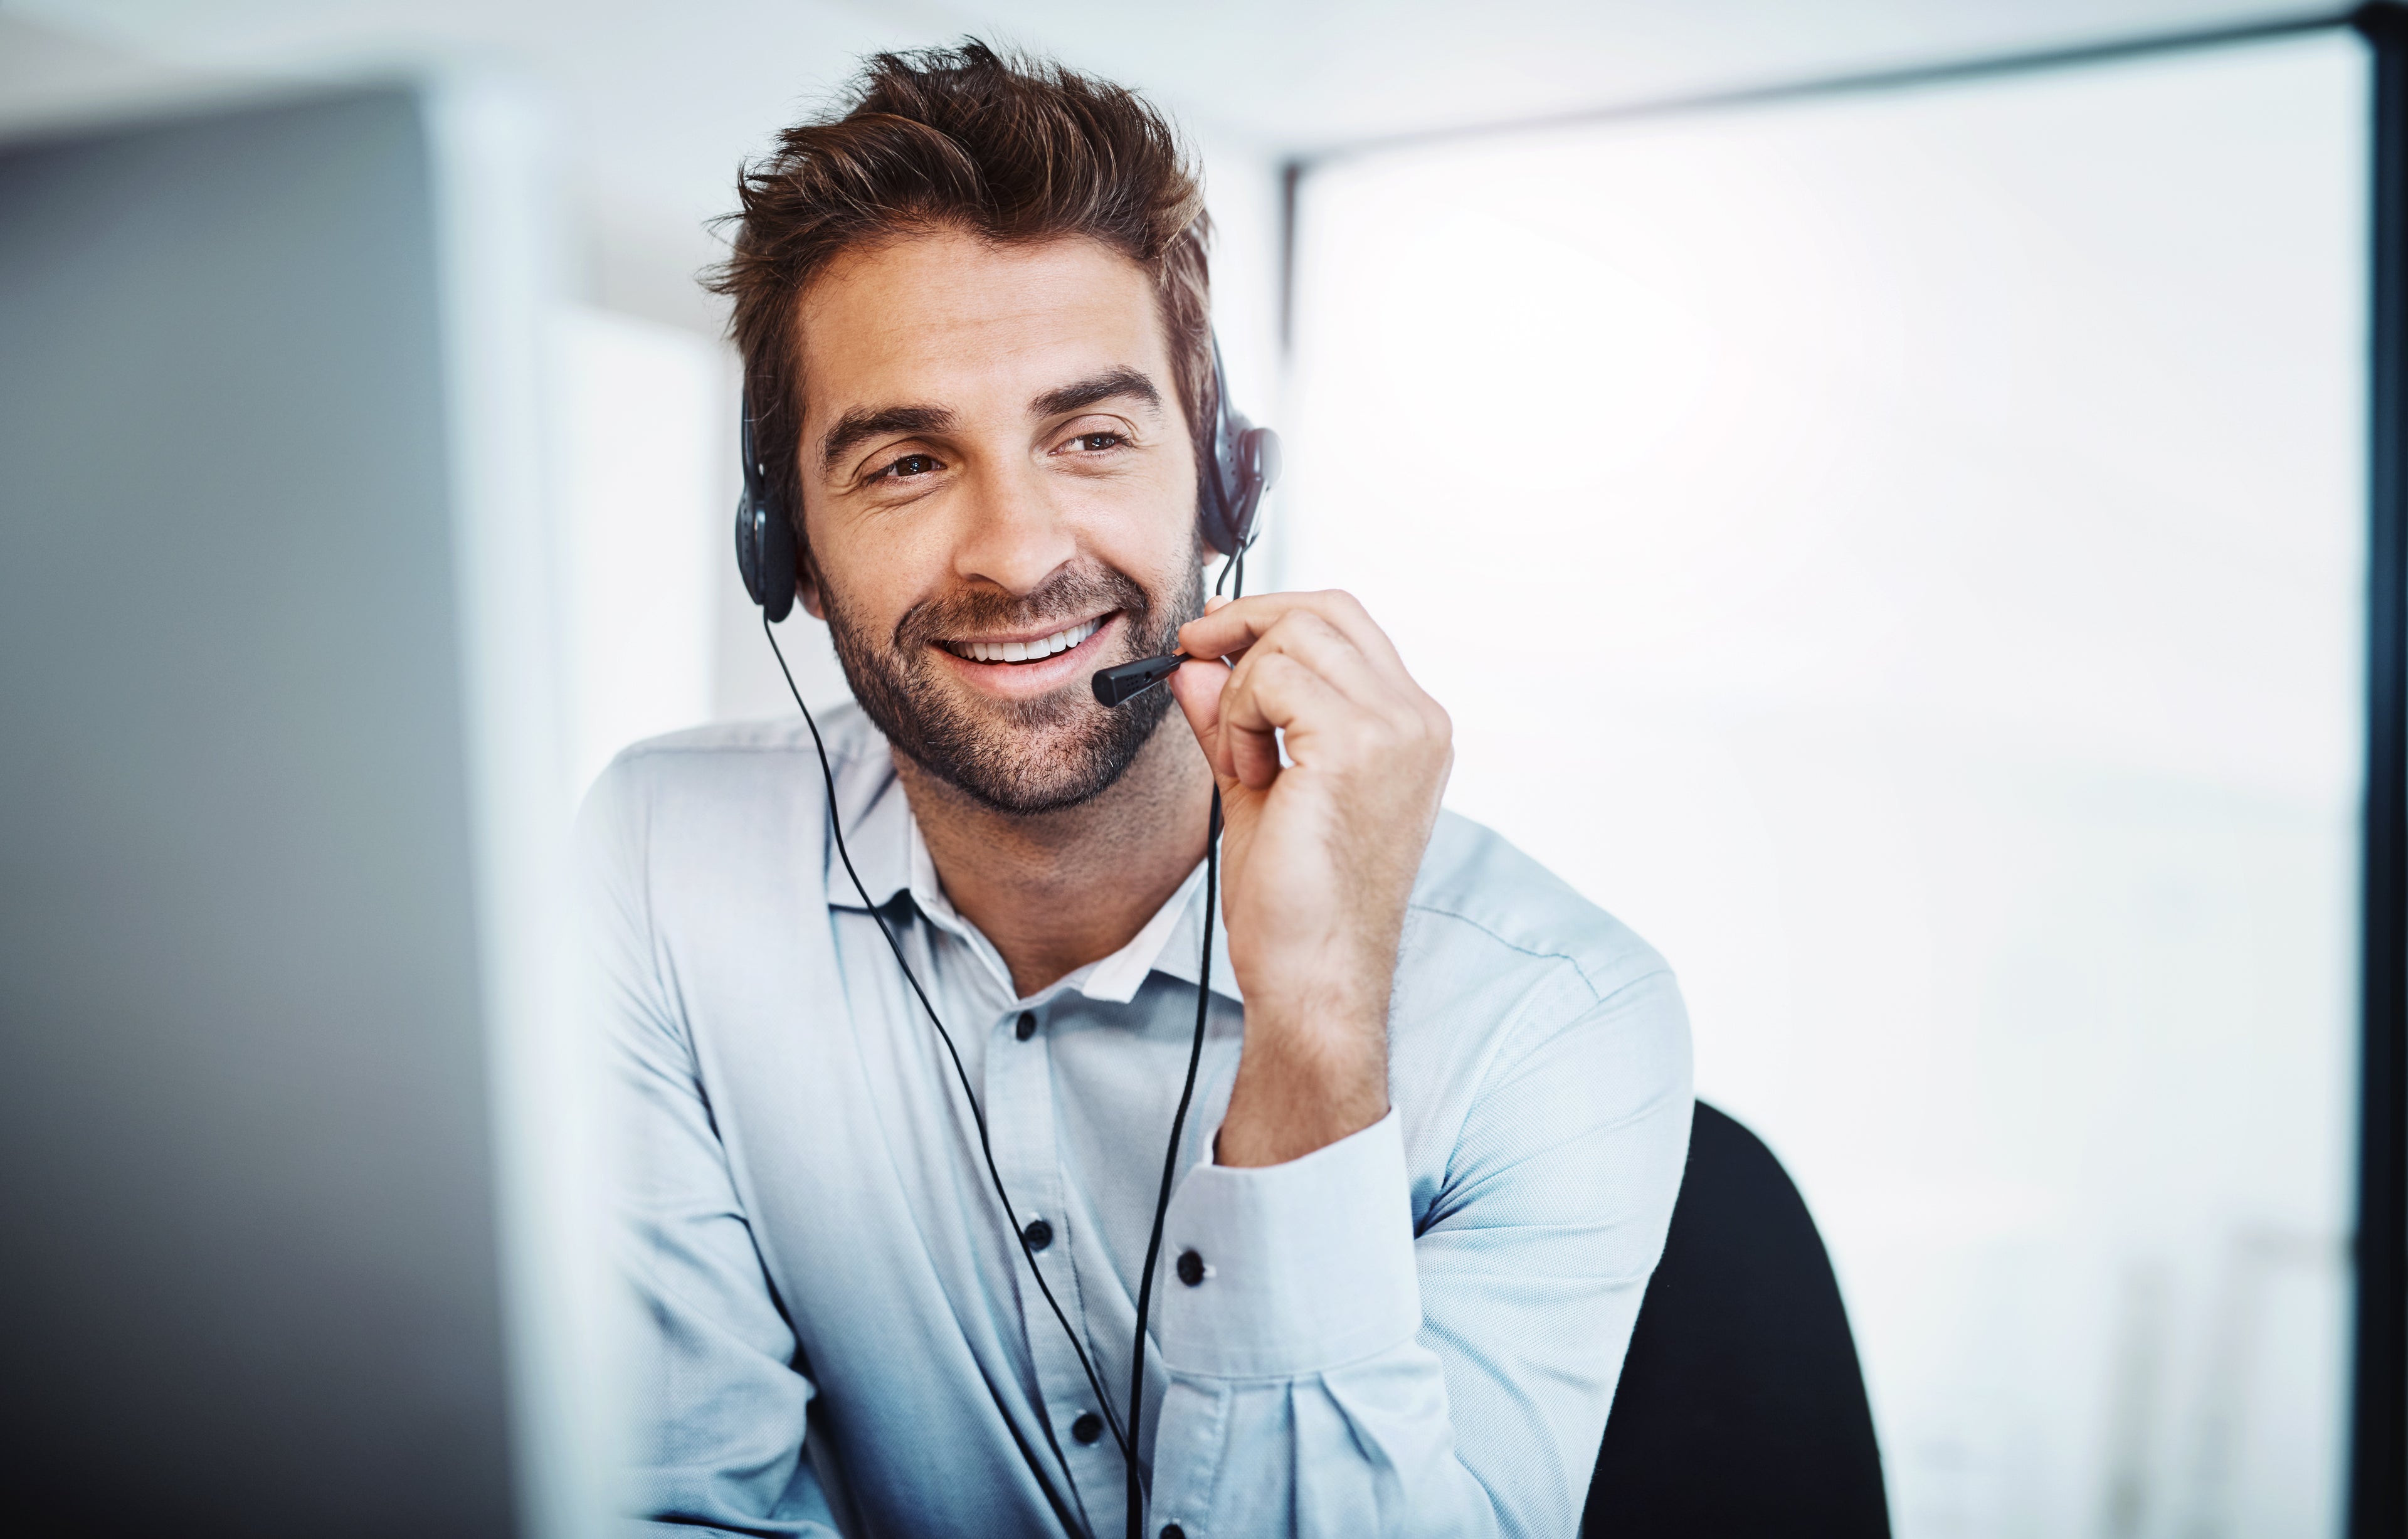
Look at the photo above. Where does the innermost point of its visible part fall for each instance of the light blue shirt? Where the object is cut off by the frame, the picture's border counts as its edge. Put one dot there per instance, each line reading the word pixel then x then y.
pixel 1413 1330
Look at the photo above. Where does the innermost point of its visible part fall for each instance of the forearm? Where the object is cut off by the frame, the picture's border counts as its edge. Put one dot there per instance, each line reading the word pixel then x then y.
pixel 1329 762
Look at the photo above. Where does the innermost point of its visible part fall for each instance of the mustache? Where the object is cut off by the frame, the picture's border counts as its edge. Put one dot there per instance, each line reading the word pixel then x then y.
pixel 1068 595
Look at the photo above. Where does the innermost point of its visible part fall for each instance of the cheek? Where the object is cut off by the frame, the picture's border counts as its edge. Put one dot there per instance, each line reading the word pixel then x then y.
pixel 875 577
pixel 1146 526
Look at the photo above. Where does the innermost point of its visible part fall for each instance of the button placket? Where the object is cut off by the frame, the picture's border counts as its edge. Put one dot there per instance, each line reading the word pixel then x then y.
pixel 1021 1129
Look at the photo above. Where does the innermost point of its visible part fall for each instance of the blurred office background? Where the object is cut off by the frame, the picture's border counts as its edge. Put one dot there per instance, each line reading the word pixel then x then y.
pixel 1902 551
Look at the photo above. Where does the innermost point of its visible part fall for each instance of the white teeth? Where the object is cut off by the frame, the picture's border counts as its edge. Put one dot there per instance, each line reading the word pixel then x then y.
pixel 1024 651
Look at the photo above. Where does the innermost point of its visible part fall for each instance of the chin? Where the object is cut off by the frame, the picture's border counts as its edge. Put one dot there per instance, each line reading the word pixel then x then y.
pixel 1040 756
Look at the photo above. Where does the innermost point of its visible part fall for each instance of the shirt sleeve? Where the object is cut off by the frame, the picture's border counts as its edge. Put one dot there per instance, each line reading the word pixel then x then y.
pixel 1336 1369
pixel 719 1406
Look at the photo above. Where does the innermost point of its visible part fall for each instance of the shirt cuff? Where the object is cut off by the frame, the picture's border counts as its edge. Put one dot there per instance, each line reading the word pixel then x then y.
pixel 1296 1268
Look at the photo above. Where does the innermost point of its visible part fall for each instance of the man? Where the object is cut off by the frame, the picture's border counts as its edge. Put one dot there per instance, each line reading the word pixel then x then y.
pixel 1443 1102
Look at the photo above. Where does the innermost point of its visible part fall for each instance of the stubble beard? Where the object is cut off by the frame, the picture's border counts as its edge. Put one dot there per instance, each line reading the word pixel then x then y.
pixel 1019 757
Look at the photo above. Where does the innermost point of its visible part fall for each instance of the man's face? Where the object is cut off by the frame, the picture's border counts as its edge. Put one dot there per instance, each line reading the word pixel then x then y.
pixel 999 498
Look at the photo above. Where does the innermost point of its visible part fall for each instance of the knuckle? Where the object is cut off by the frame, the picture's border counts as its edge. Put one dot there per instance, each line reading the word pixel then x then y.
pixel 1343 603
pixel 1310 628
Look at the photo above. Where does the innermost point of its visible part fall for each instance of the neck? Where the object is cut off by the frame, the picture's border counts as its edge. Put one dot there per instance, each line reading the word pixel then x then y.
pixel 1054 891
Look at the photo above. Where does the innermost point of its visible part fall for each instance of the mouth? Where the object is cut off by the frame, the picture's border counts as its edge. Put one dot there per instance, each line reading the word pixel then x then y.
pixel 1029 666
pixel 1033 649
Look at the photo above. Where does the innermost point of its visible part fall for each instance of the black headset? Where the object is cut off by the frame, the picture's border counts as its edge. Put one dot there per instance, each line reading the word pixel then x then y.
pixel 1240 465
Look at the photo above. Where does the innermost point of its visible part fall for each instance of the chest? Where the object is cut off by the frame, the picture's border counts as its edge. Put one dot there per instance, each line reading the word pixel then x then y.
pixel 852 1120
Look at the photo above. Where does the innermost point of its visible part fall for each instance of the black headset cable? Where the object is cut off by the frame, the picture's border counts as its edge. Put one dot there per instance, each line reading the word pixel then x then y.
pixel 986 1148
pixel 1178 1123
pixel 1170 1161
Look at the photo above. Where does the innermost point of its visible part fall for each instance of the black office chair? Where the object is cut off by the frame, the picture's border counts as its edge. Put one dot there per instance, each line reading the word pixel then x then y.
pixel 1742 1410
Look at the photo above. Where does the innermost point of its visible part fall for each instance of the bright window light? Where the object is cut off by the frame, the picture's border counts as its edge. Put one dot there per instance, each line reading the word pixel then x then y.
pixel 1904 555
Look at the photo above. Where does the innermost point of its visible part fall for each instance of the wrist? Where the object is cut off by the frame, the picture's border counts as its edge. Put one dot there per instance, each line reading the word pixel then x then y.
pixel 1302 1087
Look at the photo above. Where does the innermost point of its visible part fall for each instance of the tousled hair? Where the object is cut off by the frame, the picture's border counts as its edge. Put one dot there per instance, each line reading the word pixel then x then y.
pixel 1008 148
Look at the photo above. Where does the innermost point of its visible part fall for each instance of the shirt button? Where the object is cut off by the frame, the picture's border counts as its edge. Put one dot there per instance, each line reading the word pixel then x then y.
pixel 1028 1026
pixel 1088 1428
pixel 1191 1267
pixel 1039 1234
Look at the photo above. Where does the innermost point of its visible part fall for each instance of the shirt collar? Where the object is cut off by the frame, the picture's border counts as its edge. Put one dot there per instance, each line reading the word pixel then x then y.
pixel 890 857
pixel 878 831
pixel 1168 944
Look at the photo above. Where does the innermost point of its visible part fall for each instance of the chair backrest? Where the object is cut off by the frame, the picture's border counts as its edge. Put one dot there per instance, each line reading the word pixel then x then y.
pixel 1742 1409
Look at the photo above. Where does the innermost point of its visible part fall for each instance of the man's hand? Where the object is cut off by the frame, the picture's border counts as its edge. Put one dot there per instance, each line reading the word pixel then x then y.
pixel 1319 856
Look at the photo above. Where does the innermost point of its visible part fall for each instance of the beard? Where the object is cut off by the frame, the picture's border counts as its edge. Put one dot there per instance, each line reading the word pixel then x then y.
pixel 1024 756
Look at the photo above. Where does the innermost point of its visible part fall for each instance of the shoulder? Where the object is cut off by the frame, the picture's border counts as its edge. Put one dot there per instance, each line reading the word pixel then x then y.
pixel 1526 1017
pixel 1481 901
pixel 714 791
pixel 733 750
pixel 728 760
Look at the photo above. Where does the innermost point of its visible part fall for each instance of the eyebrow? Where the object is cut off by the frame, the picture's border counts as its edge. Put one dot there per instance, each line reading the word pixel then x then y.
pixel 1065 399
pixel 859 426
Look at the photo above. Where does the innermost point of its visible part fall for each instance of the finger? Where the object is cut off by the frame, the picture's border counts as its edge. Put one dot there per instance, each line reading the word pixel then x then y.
pixel 1270 694
pixel 1247 741
pixel 1228 627
pixel 1228 630
pixel 1321 647
pixel 1346 612
pixel 1198 687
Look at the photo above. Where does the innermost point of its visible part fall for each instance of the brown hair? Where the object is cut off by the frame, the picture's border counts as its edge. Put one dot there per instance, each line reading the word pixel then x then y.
pixel 1011 150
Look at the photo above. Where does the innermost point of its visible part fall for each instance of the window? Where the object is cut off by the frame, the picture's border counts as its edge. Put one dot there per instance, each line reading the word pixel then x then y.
pixel 1905 555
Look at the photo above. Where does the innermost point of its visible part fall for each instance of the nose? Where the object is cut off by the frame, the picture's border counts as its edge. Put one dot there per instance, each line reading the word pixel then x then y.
pixel 1014 536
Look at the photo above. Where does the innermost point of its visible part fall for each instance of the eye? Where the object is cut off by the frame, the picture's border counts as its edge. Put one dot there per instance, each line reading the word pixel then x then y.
pixel 1096 442
pixel 907 468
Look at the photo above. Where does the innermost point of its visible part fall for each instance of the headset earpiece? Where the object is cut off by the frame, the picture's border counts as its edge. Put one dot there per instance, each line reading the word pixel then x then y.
pixel 1242 464
pixel 765 536
pixel 1258 471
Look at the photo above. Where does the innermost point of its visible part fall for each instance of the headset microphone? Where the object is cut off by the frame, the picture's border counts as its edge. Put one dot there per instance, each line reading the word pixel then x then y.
pixel 1125 682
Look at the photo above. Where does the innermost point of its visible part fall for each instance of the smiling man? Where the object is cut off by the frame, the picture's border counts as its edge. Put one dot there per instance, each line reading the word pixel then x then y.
pixel 1442 1102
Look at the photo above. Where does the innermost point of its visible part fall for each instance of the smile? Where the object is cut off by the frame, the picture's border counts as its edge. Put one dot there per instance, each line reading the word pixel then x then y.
pixel 1026 652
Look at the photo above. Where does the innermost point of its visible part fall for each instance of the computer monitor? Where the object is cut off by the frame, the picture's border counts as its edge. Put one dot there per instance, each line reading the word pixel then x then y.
pixel 278 823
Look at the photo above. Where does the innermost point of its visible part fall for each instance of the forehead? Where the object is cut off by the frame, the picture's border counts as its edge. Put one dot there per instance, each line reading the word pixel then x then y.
pixel 947 318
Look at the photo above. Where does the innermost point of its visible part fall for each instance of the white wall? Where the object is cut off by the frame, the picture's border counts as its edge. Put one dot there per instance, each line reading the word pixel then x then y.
pixel 1904 554
pixel 638 412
